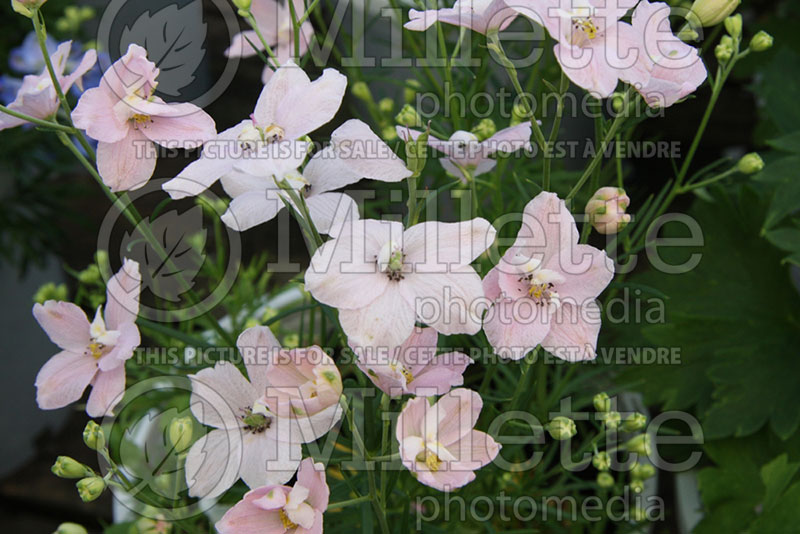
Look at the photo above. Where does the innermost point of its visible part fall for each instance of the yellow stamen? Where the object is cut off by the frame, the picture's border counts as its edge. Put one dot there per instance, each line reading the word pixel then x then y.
pixel 588 27
pixel 432 461
pixel 96 349
pixel 287 523
pixel 537 291
pixel 139 119
pixel 273 132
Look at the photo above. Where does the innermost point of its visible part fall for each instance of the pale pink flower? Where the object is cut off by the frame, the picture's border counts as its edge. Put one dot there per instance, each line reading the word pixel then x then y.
pixel 248 441
pixel 545 287
pixel 606 210
pixel 413 367
pixel 467 157
pixel 481 16
pixel 594 48
pixel 92 353
pixel 290 106
pixel 675 68
pixel 383 278
pixel 37 96
pixel 274 20
pixel 355 152
pixel 439 444
pixel 125 117
pixel 282 509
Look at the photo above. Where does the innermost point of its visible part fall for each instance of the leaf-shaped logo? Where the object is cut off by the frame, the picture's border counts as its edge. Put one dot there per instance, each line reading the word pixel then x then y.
pixel 174 40
pixel 169 272
pixel 148 455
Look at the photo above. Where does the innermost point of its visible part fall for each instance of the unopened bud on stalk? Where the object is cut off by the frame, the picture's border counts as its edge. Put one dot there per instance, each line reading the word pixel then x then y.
pixel 602 402
pixel 27 8
pixel 410 92
pixel 611 420
pixel 637 486
pixel 93 436
pixel 389 133
pixel 485 129
pixel 90 488
pixel 761 41
pixel 180 433
pixel 562 428
pixel 605 480
pixel 50 291
pixel 634 422
pixel 408 116
pixel 70 528
pixel 733 25
pixel 724 50
pixel 643 471
pixel 243 6
pixel 361 91
pixel 386 105
pixel 518 114
pixel 66 467
pixel 145 525
pixel 639 444
pixel 750 164
pixel 618 102
pixel 606 210
pixel 712 12
pixel 602 461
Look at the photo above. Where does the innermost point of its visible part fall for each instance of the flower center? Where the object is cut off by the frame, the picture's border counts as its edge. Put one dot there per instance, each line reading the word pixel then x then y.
pixel 403 370
pixel 255 423
pixel 541 282
pixel 390 260
pixel 586 26
pixel 430 459
pixel 140 120
pixel 96 349
pixel 100 338
pixel 287 523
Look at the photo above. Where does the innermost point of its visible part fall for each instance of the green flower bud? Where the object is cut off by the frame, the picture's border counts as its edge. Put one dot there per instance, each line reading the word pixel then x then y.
pixel 291 341
pixel 408 116
pixel 66 467
pixel 643 471
pixel 518 114
pixel 761 41
pixel 180 433
pixel 90 488
pixel 50 291
pixel 618 102
pixel 733 25
pixel 712 12
pixel 639 444
pixel 101 258
pixel 389 133
pixel 634 422
pixel 723 52
pixel 605 480
pixel 485 129
pixel 93 436
pixel 361 91
pixel 562 428
pixel 611 420
pixel 243 6
pixel 146 525
pixel 637 486
pixel 602 461
pixel 27 8
pixel 602 402
pixel 386 105
pixel 70 528
pixel 87 13
pixel 90 275
pixel 410 92
pixel 750 164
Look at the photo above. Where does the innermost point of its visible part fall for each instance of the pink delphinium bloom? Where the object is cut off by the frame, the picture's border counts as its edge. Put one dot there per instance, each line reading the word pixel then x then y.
pixel 383 278
pixel 247 441
pixel 439 444
pixel 594 48
pixel 606 210
pixel 282 509
pixel 37 96
pixel 125 118
pixel 274 20
pixel 290 106
pixel 545 287
pixel 467 157
pixel 481 16
pixel 413 367
pixel 355 153
pixel 92 353
pixel 675 68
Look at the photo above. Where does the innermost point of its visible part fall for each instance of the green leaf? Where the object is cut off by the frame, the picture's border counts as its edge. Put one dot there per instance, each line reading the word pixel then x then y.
pixel 788 143
pixel 776 476
pixel 779 88
pixel 787 239
pixel 782 174
pixel 783 517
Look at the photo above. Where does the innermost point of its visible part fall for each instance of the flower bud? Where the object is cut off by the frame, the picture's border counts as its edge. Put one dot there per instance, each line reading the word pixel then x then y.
pixel 602 461
pixel 361 91
pixel 643 471
pixel 602 402
pixel 408 116
pixel 712 12
pixel 637 486
pixel 611 419
pixel 562 428
pixel 27 8
pixel 639 444
pixel 70 528
pixel 145 525
pixel 243 6
pixel 733 25
pixel 50 291
pixel 723 52
pixel 518 114
pixel 66 467
pixel 605 480
pixel 386 105
pixel 750 164
pixel 606 210
pixel 180 433
pixel 291 341
pixel 90 488
pixel 618 102
pixel 634 422
pixel 93 436
pixel 90 275
pixel 411 90
pixel 761 41
pixel 485 129
pixel 389 133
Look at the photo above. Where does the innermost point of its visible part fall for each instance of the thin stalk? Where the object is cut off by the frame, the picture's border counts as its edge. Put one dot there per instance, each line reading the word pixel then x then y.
pixel 39 122
pixel 350 502
pixel 251 20
pixel 548 160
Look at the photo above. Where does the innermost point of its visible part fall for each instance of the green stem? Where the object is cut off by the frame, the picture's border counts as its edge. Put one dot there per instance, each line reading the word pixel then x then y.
pixel 350 502
pixel 252 22
pixel 690 187
pixel 548 159
pixel 39 122
pixel 525 378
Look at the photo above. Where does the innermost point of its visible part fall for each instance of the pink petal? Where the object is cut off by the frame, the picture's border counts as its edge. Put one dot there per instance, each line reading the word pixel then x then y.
pixel 587 272
pixel 445 479
pixel 330 212
pixel 547 228
pixel 128 164
pixel 509 139
pixel 251 209
pixel 127 342
pixel 474 450
pixel 107 390
pixel 588 68
pixel 456 413
pixel 411 421
pixel 94 115
pixel 220 395
pixel 258 346
pixel 185 126
pixel 386 322
pixel 514 328
pixel 246 518
pixel 133 72
pixel 122 295
pixel 573 334
pixel 285 80
pixel 307 107
pixel 436 247
pixel 63 379
pixel 212 464
pixel 86 64
pixel 418 350
pixel 65 324
pixel 268 461
pixel 312 477
pixel 444 372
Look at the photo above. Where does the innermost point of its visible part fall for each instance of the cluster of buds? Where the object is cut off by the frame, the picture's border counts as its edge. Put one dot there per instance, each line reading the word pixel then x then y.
pixel 90 486
pixel 606 210
pixel 409 116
